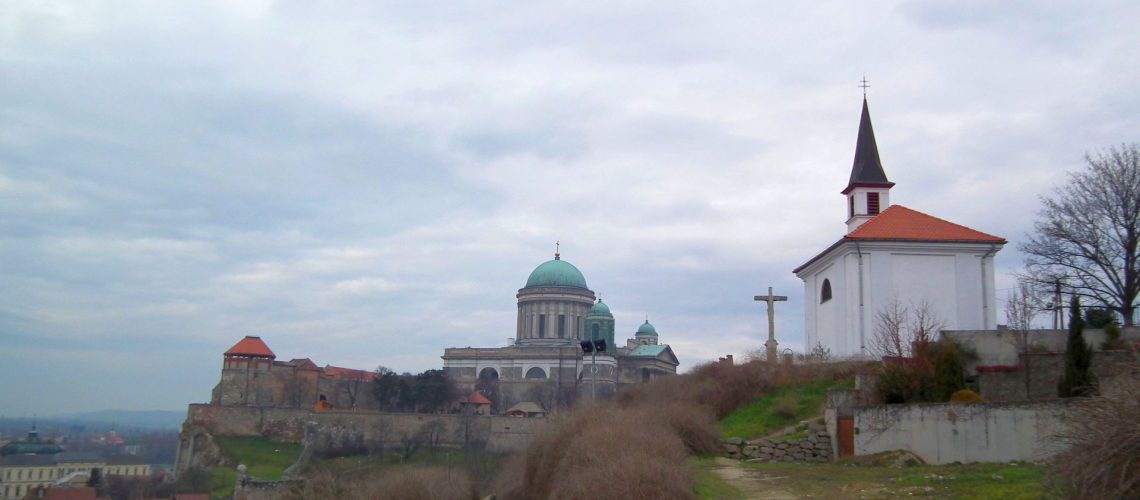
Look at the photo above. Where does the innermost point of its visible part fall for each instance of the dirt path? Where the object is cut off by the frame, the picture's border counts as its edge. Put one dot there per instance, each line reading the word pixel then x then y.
pixel 751 483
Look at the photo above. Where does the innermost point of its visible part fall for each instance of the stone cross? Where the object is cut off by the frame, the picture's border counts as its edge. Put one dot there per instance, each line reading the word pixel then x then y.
pixel 771 344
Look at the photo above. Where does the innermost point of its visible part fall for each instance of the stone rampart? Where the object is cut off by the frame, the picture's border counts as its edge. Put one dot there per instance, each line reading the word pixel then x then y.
pixel 814 447
pixel 388 429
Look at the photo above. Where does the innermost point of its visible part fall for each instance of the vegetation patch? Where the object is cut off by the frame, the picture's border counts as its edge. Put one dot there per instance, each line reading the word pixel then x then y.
pixel 780 408
pixel 263 459
pixel 709 484
pixel 1012 481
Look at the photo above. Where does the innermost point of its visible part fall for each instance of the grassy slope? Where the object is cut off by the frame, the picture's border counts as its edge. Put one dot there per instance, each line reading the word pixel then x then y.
pixel 264 459
pixel 781 408
pixel 843 479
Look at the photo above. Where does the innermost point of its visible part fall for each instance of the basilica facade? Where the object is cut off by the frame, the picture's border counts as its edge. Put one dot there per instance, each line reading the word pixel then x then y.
pixel 546 363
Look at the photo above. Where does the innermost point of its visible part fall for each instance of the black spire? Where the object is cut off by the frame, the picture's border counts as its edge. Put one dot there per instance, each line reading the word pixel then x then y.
pixel 867 169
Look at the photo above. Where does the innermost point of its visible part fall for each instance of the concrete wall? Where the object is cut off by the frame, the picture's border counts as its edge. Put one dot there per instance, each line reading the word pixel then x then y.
pixel 947 433
pixel 1000 347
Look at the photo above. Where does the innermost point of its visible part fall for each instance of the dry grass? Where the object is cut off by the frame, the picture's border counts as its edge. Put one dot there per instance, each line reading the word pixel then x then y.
pixel 637 446
pixel 1103 435
pixel 402 483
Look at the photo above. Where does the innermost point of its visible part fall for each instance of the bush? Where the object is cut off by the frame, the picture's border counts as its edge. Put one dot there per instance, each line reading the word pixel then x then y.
pixel 1103 436
pixel 1112 338
pixel 785 408
pixel 965 396
pixel 934 373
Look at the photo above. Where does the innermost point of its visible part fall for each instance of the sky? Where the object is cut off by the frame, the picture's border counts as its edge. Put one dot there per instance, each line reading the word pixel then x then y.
pixel 368 183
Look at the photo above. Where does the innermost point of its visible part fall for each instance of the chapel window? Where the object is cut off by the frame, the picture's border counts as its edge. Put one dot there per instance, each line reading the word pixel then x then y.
pixel 561 326
pixel 872 203
pixel 541 326
pixel 825 291
pixel 536 373
pixel 850 206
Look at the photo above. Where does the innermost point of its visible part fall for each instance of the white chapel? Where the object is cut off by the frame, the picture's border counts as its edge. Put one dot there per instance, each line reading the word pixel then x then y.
pixel 893 254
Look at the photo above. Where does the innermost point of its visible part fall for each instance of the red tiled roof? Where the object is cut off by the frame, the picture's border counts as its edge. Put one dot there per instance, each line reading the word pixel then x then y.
pixel 304 364
pixel 86 493
pixel 251 346
pixel 901 223
pixel 349 373
pixel 476 398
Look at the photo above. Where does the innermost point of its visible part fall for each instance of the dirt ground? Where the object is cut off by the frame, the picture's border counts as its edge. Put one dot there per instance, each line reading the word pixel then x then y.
pixel 874 481
pixel 751 483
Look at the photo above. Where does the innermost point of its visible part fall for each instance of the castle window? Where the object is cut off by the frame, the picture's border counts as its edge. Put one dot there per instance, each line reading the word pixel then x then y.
pixel 872 203
pixel 850 206
pixel 541 326
pixel 646 375
pixel 825 291
pixel 561 326
pixel 535 373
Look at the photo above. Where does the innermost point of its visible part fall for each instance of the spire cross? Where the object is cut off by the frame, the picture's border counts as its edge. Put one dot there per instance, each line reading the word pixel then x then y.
pixel 771 300
pixel 864 86
pixel 557 248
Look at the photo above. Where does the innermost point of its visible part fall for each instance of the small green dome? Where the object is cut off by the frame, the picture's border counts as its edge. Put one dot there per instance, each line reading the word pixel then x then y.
pixel 556 272
pixel 599 309
pixel 646 329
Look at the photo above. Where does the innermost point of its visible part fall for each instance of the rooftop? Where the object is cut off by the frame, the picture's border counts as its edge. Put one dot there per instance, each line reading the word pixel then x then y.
pixel 252 347
pixel 901 223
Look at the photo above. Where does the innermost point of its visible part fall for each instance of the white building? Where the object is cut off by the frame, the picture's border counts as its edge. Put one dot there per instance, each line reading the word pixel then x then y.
pixel 893 254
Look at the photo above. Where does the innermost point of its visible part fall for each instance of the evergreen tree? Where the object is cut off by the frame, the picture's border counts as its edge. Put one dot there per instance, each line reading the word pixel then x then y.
pixel 1078 379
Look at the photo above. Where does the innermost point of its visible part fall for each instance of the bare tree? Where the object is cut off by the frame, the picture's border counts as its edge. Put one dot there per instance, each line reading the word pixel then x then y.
pixel 904 332
pixel 1088 233
pixel 889 339
pixel 1020 309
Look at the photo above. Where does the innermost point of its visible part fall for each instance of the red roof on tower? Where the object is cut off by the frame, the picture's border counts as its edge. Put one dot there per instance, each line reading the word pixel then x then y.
pixel 903 224
pixel 251 346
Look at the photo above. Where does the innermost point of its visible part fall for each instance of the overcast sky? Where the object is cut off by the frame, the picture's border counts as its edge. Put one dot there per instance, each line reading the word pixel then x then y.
pixel 367 183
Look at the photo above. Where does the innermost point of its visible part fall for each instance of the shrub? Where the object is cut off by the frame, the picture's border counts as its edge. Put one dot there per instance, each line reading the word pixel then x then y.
pixel 1112 338
pixel 934 373
pixel 785 408
pixel 965 396
pixel 1078 379
pixel 1103 435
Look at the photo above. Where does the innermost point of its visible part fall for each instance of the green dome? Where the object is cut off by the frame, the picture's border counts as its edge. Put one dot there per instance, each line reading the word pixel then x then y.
pixel 646 329
pixel 556 272
pixel 599 309
pixel 30 446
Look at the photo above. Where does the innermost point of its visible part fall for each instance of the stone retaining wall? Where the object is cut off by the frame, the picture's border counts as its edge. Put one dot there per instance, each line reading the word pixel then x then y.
pixel 815 447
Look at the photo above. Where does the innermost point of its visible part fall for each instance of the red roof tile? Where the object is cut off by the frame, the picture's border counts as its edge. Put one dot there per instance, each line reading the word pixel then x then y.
pixel 476 398
pixel 901 223
pixel 251 346
pixel 87 493
pixel 349 373
pixel 304 364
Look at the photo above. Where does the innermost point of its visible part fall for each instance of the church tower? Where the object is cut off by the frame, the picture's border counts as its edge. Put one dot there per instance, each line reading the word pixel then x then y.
pixel 868 190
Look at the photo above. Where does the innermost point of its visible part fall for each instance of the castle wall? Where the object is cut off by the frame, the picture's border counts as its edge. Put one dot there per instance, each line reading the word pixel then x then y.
pixel 291 425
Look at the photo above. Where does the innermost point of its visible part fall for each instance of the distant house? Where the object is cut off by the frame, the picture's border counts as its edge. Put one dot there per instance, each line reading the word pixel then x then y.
pixel 526 409
pixel 475 404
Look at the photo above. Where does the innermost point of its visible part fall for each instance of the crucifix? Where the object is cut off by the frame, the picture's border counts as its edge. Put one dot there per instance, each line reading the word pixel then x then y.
pixel 770 345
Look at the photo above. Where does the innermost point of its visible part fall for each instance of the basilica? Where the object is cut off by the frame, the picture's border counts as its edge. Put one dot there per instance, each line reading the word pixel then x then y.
pixel 546 363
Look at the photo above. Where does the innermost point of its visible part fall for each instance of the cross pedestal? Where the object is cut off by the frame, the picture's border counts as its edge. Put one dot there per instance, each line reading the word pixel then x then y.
pixel 771 345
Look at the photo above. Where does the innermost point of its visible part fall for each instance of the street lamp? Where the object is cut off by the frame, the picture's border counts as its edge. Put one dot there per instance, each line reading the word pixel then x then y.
pixel 593 348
